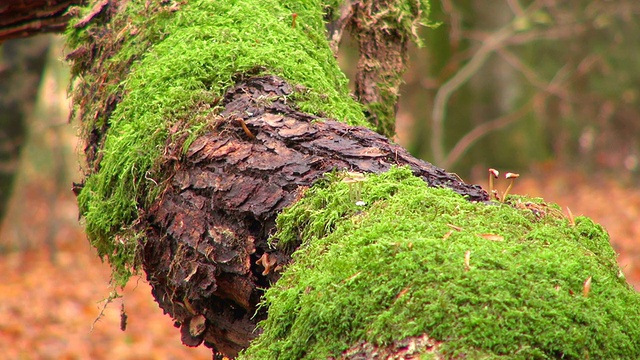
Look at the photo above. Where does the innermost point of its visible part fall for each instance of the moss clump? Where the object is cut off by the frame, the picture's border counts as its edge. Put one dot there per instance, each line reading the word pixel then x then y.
pixel 396 268
pixel 192 54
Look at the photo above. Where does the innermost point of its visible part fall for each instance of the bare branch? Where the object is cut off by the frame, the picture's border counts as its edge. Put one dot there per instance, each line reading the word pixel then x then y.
pixel 480 131
pixel 553 87
pixel 516 8
pixel 489 45
pixel 453 84
pixel 530 74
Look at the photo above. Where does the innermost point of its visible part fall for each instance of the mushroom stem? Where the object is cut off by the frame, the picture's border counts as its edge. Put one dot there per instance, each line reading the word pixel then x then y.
pixel 493 173
pixel 512 177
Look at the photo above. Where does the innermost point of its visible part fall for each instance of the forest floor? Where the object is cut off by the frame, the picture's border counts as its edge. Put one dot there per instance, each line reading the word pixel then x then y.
pixel 51 296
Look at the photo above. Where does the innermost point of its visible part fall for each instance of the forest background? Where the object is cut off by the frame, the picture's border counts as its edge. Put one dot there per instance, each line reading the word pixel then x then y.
pixel 548 89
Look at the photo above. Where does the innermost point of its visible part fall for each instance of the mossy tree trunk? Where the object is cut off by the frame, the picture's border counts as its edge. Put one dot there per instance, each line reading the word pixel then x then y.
pixel 215 219
pixel 213 130
pixel 226 164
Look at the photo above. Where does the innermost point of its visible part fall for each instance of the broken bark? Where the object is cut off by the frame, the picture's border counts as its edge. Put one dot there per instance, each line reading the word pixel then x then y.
pixel 23 18
pixel 206 250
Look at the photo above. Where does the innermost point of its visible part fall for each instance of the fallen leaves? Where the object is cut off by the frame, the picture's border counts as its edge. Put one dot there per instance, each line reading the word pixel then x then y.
pixel 46 311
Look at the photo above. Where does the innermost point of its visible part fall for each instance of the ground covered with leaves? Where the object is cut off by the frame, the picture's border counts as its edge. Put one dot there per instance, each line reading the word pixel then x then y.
pixel 49 300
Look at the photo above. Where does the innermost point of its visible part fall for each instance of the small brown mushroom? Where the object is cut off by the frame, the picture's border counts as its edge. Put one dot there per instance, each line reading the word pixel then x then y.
pixel 512 177
pixel 267 263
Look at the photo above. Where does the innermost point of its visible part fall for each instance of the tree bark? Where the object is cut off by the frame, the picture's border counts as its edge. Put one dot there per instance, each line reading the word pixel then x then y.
pixel 23 18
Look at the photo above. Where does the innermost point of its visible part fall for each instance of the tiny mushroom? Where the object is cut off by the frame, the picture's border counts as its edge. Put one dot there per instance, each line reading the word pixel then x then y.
pixel 493 174
pixel 512 177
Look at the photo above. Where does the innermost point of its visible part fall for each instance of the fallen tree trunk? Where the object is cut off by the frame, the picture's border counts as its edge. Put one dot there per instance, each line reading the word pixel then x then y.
pixel 216 217
pixel 216 162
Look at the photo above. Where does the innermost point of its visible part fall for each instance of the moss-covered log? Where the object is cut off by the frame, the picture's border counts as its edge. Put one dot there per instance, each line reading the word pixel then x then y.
pixel 225 156
pixel 207 238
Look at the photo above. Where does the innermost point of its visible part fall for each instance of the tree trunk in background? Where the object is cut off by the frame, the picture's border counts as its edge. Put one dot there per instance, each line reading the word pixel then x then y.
pixel 20 73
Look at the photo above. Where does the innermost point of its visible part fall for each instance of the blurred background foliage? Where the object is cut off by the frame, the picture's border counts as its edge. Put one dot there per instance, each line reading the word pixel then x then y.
pixel 514 83
pixel 38 161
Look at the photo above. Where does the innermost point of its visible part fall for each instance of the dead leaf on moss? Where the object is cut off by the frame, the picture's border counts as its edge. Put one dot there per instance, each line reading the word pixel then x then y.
pixel 492 237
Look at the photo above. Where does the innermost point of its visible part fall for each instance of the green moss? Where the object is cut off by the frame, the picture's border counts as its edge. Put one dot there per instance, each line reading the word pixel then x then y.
pixel 180 61
pixel 396 268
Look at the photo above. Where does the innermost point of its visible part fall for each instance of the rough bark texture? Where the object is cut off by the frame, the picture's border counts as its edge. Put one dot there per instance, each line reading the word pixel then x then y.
pixel 22 18
pixel 206 253
pixel 407 348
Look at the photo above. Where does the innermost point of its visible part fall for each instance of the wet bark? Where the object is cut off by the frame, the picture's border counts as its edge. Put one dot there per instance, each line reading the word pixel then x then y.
pixel 206 253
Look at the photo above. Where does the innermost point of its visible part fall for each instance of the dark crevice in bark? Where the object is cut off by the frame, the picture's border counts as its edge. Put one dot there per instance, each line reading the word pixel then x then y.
pixel 206 251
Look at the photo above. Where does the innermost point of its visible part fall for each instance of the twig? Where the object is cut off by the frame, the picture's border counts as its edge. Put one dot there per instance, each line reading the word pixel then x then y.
pixel 516 8
pixel 530 74
pixel 479 131
pixel 462 76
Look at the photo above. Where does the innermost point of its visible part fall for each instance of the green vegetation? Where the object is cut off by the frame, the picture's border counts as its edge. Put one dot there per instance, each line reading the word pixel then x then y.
pixel 395 267
pixel 184 60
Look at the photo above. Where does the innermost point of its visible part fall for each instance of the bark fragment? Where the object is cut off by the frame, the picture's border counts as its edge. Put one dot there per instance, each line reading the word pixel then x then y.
pixel 23 18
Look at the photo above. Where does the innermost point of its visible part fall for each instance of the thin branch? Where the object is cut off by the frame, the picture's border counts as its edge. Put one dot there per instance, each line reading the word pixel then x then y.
pixel 438 115
pixel 516 8
pixel 455 23
pixel 453 84
pixel 480 131
pixel 530 74
pixel 559 32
